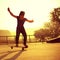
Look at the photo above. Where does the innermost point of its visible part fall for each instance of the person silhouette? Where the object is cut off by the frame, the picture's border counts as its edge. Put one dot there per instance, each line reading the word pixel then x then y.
pixel 20 27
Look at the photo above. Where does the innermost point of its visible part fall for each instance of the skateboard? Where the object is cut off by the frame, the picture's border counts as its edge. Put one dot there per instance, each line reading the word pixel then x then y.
pixel 23 48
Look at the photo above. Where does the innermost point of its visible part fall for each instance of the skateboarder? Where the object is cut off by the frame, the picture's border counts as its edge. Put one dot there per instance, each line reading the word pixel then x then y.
pixel 20 27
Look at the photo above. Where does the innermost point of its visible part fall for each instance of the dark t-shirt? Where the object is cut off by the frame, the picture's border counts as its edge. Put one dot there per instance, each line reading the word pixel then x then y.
pixel 20 22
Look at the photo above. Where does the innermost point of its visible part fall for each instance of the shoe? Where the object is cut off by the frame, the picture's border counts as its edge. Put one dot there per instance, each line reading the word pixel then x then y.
pixel 16 45
pixel 26 46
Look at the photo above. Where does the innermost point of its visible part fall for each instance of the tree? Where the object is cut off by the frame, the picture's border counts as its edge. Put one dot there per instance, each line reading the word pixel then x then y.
pixel 56 15
pixel 52 28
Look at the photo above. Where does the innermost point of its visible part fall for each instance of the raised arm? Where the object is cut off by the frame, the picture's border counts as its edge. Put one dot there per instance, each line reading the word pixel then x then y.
pixel 11 13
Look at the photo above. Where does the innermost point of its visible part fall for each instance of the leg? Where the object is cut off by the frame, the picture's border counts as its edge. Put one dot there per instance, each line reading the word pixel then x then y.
pixel 17 36
pixel 25 37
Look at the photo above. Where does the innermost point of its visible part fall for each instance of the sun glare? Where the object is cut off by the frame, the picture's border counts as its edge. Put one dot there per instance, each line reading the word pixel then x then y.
pixel 38 10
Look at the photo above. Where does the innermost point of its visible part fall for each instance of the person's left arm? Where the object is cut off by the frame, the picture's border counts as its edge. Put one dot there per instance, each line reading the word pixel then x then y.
pixel 30 21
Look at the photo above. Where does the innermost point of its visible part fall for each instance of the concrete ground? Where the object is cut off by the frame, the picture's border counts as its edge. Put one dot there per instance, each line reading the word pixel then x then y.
pixel 35 51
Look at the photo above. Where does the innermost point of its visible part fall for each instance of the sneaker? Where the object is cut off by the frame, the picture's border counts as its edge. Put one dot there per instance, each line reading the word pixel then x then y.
pixel 26 46
pixel 16 45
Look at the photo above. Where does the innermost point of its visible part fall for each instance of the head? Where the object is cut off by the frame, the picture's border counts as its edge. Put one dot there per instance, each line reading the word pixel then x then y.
pixel 21 15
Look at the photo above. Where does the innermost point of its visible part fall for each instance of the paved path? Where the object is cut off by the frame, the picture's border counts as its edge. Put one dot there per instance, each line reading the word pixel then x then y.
pixel 36 51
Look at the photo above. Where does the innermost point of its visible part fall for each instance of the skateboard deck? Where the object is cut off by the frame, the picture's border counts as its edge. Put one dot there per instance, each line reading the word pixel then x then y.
pixel 23 48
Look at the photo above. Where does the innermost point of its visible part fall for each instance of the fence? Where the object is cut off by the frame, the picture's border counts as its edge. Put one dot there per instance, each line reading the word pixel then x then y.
pixel 11 39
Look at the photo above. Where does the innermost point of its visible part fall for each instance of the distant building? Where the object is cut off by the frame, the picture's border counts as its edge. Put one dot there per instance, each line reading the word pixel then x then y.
pixel 3 36
pixel 5 33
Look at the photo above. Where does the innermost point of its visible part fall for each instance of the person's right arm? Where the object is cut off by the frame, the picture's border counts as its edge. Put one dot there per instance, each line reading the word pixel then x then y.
pixel 11 13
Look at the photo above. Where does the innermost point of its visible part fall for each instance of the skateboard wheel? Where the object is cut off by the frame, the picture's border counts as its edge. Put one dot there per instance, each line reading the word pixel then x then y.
pixel 23 48
pixel 11 47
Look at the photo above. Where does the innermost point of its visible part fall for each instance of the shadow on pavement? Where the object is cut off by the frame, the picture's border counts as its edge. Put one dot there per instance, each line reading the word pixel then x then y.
pixel 13 57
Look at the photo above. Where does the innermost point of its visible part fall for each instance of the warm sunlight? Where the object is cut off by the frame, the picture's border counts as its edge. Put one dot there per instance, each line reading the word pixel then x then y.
pixel 33 44
pixel 38 10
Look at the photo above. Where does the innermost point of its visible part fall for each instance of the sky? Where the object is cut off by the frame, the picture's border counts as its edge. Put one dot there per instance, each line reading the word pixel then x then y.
pixel 38 10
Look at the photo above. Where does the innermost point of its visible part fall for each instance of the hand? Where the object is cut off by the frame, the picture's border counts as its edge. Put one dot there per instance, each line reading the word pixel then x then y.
pixel 32 20
pixel 8 9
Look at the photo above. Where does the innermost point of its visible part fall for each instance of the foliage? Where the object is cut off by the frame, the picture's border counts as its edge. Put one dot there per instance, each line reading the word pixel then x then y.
pixel 51 29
